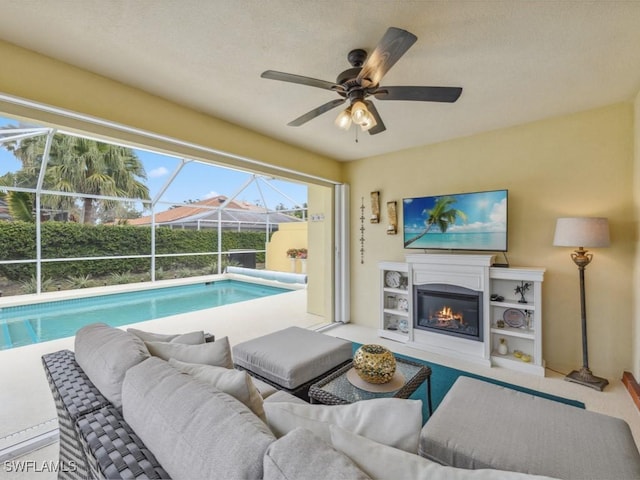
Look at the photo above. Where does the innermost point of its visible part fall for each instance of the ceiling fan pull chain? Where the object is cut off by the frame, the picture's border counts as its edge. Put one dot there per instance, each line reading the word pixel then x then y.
pixel 356 130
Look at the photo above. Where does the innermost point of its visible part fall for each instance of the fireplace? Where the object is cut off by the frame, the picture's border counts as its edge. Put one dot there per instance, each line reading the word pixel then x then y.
pixel 449 310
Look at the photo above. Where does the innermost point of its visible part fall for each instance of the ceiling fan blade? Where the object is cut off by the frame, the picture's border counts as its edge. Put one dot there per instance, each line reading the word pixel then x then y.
pixel 379 127
pixel 315 112
pixel 421 94
pixel 299 79
pixel 391 47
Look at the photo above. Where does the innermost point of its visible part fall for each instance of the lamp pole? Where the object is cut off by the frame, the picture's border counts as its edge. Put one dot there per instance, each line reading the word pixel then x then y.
pixel 584 376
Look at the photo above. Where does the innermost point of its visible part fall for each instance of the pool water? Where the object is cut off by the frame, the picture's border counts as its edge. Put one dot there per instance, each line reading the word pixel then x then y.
pixel 28 324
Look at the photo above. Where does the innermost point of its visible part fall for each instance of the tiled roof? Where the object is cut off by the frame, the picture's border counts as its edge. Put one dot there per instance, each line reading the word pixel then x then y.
pixel 202 211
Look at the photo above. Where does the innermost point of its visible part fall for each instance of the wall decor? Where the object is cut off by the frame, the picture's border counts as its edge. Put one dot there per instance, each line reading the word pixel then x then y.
pixel 375 207
pixel 392 213
pixel 362 231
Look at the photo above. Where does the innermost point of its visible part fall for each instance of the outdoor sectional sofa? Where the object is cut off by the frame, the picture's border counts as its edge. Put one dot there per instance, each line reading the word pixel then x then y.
pixel 126 412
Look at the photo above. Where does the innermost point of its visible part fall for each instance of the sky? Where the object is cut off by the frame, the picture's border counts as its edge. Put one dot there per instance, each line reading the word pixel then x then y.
pixel 485 212
pixel 196 181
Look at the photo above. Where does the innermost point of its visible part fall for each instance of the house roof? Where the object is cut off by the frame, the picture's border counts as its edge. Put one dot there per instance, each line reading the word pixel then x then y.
pixel 206 211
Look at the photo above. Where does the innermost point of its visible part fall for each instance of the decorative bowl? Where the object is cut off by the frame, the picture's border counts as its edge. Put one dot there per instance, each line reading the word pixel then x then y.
pixel 374 363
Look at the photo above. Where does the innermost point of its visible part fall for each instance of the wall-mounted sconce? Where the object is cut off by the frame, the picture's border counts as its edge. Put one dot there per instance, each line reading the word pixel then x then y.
pixel 375 207
pixel 392 213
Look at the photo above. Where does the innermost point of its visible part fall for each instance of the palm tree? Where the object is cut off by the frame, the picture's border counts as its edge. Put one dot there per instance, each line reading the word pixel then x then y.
pixel 83 166
pixel 442 215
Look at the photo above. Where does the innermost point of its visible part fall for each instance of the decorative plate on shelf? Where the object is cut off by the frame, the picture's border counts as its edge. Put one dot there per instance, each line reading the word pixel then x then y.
pixel 392 279
pixel 514 318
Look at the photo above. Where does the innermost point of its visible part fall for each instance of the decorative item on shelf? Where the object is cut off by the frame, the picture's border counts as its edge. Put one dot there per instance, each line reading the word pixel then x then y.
pixel 392 279
pixel 403 304
pixel 583 232
pixel 514 318
pixel 374 363
pixel 500 323
pixel 529 315
pixel 521 290
pixel 375 207
pixel 403 325
pixel 497 298
pixel 392 228
pixel 502 347
pixel 392 302
pixel 525 358
pixel 362 231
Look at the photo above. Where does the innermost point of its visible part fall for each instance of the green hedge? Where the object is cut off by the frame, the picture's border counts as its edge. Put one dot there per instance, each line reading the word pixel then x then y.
pixel 72 240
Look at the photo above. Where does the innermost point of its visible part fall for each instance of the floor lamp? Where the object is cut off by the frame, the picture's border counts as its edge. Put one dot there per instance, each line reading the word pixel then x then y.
pixel 583 232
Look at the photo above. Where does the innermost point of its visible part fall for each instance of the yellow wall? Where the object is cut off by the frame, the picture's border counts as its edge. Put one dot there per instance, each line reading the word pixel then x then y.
pixel 35 77
pixel 577 165
pixel 289 235
pixel 636 221
pixel 320 263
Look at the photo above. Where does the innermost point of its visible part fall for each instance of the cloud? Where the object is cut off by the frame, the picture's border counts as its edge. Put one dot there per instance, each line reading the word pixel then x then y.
pixel 158 172
pixel 211 194
pixel 497 221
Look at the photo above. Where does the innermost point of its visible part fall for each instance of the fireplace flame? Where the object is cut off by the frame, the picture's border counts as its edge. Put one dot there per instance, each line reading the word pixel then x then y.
pixel 446 315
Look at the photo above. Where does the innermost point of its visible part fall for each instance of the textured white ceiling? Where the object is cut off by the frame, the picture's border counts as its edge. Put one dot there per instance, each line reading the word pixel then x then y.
pixel 518 61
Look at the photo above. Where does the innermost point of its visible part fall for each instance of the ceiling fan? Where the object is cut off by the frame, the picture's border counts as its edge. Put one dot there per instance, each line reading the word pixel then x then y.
pixel 361 81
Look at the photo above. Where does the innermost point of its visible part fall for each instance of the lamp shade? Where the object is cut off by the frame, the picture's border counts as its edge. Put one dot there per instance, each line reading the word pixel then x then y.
pixel 581 232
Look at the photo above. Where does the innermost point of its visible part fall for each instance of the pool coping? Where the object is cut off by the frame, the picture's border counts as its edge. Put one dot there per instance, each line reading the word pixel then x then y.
pixel 29 299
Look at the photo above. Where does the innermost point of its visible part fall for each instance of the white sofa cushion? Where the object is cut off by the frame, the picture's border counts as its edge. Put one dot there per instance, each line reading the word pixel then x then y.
pixel 190 338
pixel 381 462
pixel 105 354
pixel 392 421
pixel 481 425
pixel 300 455
pixel 194 430
pixel 236 383
pixel 216 353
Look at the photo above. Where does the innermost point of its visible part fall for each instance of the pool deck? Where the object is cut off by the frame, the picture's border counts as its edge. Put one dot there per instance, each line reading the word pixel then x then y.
pixel 28 409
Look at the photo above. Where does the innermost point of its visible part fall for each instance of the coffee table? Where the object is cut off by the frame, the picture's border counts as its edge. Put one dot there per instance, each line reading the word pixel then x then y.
pixel 336 389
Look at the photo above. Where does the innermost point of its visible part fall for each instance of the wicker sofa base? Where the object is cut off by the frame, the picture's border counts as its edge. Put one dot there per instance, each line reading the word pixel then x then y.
pixel 95 441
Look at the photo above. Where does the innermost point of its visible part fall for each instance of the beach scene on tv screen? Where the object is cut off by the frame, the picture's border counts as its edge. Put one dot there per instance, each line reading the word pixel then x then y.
pixel 466 221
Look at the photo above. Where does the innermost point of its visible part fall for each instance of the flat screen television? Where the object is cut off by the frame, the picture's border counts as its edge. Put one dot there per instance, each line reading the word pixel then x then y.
pixel 461 221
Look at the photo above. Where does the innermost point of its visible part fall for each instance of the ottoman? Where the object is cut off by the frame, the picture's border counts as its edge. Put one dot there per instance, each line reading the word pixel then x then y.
pixel 292 359
pixel 482 425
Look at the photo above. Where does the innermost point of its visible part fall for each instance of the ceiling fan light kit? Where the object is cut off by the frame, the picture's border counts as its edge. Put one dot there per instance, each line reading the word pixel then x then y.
pixel 343 120
pixel 363 80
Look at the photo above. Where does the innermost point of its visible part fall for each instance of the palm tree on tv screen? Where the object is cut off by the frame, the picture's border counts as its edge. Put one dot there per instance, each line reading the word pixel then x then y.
pixel 83 166
pixel 442 214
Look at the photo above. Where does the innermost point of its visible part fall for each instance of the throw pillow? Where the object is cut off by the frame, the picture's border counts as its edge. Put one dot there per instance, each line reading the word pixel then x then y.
pixel 191 338
pixel 105 354
pixel 313 459
pixel 216 353
pixel 236 383
pixel 383 462
pixel 392 421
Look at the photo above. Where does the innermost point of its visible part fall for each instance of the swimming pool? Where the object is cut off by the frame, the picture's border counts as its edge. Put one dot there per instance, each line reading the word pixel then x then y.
pixel 28 324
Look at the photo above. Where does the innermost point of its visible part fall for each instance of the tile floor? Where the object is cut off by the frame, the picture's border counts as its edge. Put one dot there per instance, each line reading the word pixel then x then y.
pixel 28 410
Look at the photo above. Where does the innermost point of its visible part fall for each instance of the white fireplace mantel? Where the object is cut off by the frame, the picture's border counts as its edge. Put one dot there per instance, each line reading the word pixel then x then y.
pixel 469 271
pixel 474 272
